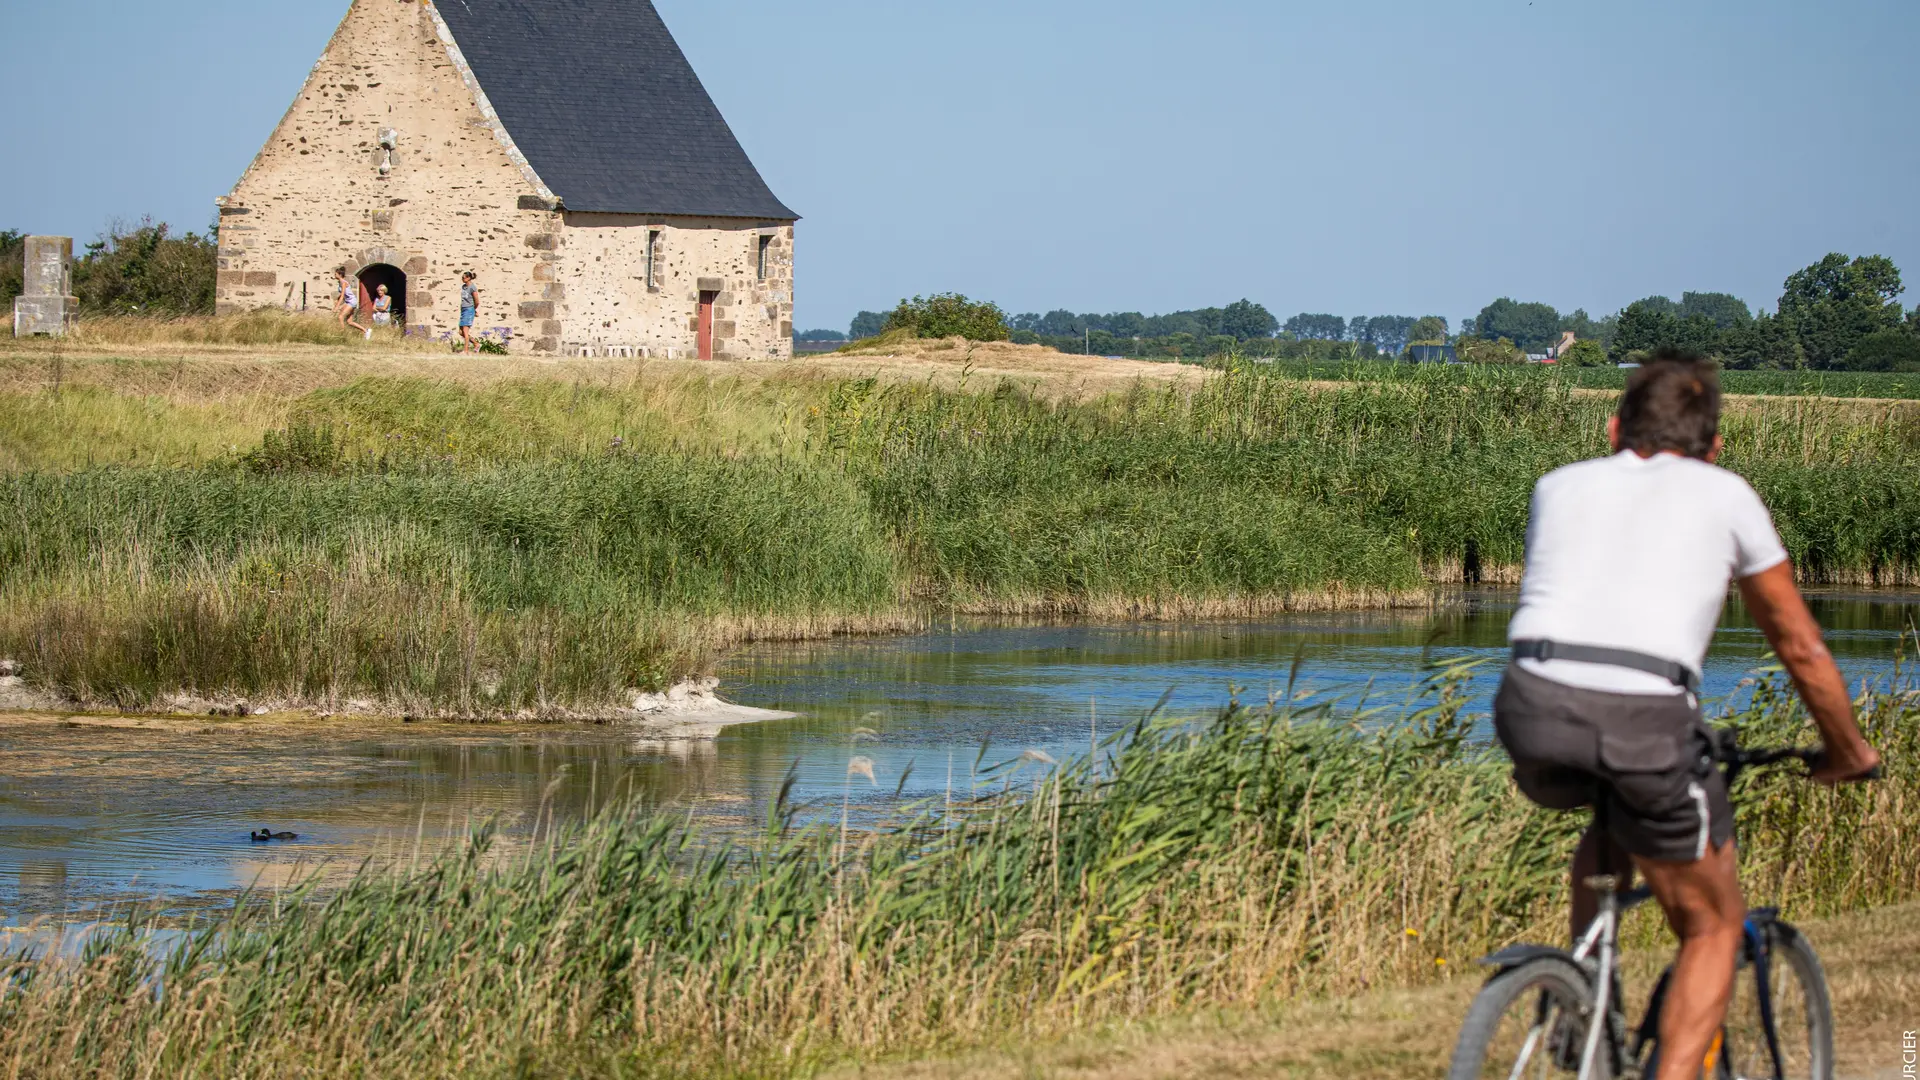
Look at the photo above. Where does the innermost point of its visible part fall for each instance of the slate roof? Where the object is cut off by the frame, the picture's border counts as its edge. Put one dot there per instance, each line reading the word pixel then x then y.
pixel 599 97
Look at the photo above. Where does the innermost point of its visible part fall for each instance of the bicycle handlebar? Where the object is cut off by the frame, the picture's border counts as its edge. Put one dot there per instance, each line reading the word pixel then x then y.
pixel 1738 760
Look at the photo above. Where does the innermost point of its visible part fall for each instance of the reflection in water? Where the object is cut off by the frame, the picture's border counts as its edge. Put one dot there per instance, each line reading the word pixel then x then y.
pixel 90 813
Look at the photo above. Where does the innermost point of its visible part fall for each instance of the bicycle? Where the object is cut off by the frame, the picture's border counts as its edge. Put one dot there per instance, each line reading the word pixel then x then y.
pixel 1557 993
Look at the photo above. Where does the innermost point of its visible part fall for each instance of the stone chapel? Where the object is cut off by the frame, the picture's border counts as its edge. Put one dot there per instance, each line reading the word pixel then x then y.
pixel 562 150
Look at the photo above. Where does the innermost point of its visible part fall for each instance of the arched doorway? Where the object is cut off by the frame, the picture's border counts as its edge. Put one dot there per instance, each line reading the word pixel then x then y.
pixel 395 279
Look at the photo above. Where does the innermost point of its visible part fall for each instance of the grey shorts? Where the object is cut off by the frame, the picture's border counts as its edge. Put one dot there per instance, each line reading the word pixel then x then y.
pixel 1647 758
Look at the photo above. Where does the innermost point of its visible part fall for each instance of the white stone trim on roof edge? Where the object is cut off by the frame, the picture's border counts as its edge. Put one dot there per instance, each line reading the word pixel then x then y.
pixel 485 106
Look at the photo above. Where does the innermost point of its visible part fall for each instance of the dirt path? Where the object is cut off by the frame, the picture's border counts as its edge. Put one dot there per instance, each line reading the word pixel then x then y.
pixel 206 372
pixel 1872 962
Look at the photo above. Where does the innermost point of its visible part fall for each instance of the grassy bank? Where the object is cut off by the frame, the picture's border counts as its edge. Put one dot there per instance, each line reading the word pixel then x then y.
pixel 488 544
pixel 1262 856
pixel 1393 1034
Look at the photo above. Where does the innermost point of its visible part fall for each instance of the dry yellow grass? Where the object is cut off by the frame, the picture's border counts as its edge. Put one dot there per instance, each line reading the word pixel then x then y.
pixel 155 400
pixel 253 330
pixel 995 360
pixel 144 357
pixel 1872 961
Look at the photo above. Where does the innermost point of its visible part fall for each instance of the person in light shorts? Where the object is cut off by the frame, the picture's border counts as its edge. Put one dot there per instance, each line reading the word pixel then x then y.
pixel 348 304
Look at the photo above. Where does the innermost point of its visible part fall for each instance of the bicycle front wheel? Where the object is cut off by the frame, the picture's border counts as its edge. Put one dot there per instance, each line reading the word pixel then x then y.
pixel 1802 1012
pixel 1526 1022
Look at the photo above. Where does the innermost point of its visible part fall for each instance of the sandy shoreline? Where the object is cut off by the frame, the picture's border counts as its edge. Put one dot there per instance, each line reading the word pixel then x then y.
pixel 691 710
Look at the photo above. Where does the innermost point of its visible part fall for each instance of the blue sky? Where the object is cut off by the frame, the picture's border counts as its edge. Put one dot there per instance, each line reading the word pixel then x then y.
pixel 1348 156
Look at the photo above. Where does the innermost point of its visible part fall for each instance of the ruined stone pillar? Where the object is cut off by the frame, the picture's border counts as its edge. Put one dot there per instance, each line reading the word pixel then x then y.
pixel 47 306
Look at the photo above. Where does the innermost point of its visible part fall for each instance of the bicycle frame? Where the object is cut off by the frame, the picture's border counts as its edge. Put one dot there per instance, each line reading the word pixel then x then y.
pixel 1602 938
pixel 1761 958
pixel 1598 948
pixel 1600 945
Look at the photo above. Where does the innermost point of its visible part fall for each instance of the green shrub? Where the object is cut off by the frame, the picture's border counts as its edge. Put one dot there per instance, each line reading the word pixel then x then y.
pixel 947 315
pixel 1479 350
pixel 13 254
pixel 146 270
pixel 1884 350
pixel 299 448
pixel 1585 353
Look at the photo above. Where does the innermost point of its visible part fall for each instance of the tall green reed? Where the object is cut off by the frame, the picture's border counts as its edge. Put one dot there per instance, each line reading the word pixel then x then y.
pixel 1440 471
pixel 623 531
pixel 516 587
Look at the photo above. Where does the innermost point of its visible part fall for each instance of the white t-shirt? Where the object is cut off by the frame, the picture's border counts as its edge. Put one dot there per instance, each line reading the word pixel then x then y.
pixel 1636 553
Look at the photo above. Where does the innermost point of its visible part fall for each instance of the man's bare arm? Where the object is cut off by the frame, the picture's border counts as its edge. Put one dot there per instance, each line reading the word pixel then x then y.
pixel 1777 608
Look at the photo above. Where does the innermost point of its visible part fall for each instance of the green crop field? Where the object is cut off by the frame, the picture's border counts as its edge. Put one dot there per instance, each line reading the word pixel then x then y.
pixel 545 544
pixel 1839 384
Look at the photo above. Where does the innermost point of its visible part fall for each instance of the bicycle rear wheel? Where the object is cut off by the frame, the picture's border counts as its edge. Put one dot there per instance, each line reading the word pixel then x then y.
pixel 1526 1022
pixel 1802 1011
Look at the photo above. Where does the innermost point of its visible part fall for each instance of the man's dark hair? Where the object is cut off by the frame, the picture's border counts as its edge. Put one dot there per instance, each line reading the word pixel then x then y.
pixel 1672 403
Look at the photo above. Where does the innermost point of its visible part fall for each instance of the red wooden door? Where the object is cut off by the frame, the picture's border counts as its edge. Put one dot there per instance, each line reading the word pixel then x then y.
pixel 704 341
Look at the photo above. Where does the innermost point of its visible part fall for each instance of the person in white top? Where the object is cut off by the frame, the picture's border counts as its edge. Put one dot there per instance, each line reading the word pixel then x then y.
pixel 347 305
pixel 1629 559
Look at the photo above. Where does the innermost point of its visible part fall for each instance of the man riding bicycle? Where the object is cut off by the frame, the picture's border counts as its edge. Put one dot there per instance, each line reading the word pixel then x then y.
pixel 1628 562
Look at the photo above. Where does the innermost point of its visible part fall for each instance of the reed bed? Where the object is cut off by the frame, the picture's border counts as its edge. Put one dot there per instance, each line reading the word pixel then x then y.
pixel 1441 472
pixel 1281 850
pixel 560 542
pixel 534 587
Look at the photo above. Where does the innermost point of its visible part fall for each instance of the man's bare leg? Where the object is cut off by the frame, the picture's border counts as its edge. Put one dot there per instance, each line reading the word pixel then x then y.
pixel 1706 911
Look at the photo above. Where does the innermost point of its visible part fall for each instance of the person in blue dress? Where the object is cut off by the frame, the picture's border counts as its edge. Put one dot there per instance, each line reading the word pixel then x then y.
pixel 469 309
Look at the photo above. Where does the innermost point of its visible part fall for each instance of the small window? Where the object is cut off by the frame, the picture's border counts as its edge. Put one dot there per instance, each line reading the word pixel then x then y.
pixel 653 258
pixel 766 243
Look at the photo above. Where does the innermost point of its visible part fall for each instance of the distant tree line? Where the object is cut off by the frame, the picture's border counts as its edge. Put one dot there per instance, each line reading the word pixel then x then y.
pixel 131 270
pixel 1839 314
pixel 1242 320
pixel 1243 325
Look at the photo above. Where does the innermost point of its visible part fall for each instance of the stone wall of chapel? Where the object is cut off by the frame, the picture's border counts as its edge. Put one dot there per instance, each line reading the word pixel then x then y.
pixel 315 198
pixel 608 305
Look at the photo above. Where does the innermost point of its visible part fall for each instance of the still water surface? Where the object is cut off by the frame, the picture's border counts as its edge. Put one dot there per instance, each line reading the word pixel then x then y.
pixel 96 814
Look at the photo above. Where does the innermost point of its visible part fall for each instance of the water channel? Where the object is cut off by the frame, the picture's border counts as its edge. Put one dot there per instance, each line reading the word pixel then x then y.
pixel 92 813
